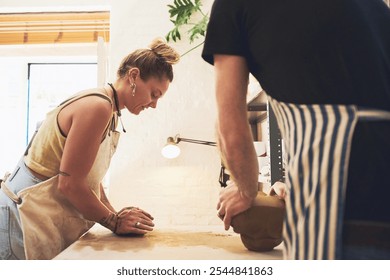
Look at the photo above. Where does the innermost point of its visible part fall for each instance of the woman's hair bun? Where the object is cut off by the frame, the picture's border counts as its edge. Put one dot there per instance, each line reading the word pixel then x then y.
pixel 157 61
pixel 160 47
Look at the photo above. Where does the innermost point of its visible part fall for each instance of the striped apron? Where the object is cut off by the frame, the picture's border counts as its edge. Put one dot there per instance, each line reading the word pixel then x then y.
pixel 317 144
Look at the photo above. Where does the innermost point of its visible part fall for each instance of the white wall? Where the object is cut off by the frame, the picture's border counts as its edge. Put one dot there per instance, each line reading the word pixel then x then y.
pixel 182 191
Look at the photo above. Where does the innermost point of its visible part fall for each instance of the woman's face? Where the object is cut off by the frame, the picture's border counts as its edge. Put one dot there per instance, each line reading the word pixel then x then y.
pixel 147 93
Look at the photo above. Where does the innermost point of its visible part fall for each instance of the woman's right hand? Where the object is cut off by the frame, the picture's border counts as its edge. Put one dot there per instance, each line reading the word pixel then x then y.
pixel 133 220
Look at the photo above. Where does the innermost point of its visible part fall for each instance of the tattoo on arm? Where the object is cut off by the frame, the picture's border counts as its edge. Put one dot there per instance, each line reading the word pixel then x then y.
pixel 64 173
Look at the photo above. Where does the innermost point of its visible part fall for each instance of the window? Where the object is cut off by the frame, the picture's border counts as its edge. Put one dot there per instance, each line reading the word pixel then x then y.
pixel 24 101
pixel 45 57
pixel 51 83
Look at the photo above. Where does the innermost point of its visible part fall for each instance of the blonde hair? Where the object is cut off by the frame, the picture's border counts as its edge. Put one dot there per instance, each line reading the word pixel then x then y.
pixel 155 61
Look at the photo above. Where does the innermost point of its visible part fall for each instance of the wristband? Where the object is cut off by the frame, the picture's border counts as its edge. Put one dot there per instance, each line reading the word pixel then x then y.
pixel 110 222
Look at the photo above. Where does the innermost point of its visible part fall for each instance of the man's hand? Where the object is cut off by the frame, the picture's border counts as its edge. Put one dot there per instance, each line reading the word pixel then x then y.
pixel 232 202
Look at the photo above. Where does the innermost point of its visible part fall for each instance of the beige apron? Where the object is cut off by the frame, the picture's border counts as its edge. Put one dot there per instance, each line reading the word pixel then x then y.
pixel 50 223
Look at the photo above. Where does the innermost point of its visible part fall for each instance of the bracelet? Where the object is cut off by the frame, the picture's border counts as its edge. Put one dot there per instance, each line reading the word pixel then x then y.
pixel 110 222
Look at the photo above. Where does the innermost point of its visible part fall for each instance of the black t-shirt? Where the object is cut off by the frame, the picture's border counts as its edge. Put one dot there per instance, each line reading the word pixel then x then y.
pixel 308 51
pixel 320 52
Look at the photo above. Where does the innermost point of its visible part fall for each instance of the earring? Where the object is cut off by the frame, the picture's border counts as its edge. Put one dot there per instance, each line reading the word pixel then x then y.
pixel 133 86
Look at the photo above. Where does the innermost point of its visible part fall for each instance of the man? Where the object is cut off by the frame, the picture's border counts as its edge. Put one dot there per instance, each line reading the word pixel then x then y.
pixel 323 64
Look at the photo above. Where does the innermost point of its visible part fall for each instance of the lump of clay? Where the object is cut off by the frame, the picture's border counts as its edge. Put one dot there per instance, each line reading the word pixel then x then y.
pixel 261 225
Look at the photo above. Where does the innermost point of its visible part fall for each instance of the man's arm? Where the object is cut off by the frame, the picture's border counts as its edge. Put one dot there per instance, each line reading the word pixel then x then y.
pixel 235 136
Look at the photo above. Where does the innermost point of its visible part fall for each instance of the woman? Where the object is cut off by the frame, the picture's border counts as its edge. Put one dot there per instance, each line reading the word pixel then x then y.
pixel 55 193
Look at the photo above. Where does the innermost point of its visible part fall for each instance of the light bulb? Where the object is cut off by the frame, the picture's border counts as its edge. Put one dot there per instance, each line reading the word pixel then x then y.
pixel 170 151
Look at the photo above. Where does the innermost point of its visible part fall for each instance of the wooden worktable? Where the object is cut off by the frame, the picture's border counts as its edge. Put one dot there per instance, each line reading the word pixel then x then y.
pixel 163 244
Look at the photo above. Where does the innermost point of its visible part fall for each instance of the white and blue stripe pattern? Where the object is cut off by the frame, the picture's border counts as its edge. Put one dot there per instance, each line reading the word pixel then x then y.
pixel 317 143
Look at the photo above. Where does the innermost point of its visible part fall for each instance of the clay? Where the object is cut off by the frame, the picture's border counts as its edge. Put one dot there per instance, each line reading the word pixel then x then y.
pixel 260 227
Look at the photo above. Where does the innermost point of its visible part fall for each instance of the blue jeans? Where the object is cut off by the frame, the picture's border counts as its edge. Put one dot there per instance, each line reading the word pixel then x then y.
pixel 11 235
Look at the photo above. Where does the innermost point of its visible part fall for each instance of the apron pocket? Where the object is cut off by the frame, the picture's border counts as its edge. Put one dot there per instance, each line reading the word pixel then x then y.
pixel 5 245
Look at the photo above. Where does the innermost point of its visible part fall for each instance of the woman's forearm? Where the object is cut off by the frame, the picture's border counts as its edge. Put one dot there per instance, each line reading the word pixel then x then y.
pixel 85 200
pixel 104 199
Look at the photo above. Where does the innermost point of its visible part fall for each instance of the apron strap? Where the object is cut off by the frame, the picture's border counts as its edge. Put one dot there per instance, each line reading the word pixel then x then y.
pixel 32 138
pixel 111 124
pixel 8 192
pixel 365 114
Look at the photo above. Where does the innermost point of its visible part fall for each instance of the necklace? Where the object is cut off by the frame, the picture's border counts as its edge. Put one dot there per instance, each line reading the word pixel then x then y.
pixel 115 100
pixel 117 106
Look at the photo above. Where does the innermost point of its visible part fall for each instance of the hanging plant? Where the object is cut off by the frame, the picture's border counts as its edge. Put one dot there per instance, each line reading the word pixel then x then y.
pixel 181 14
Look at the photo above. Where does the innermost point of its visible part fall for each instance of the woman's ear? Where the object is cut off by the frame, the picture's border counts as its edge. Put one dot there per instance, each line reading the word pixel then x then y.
pixel 133 74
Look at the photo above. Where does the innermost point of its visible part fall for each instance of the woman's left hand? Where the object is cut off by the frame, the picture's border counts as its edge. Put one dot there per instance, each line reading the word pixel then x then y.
pixel 133 220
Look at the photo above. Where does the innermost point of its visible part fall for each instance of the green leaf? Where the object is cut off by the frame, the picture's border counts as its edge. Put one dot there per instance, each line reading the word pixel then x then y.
pixel 199 29
pixel 180 13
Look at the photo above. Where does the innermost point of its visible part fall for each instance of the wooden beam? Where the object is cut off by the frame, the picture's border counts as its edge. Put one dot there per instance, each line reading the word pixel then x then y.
pixel 46 28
